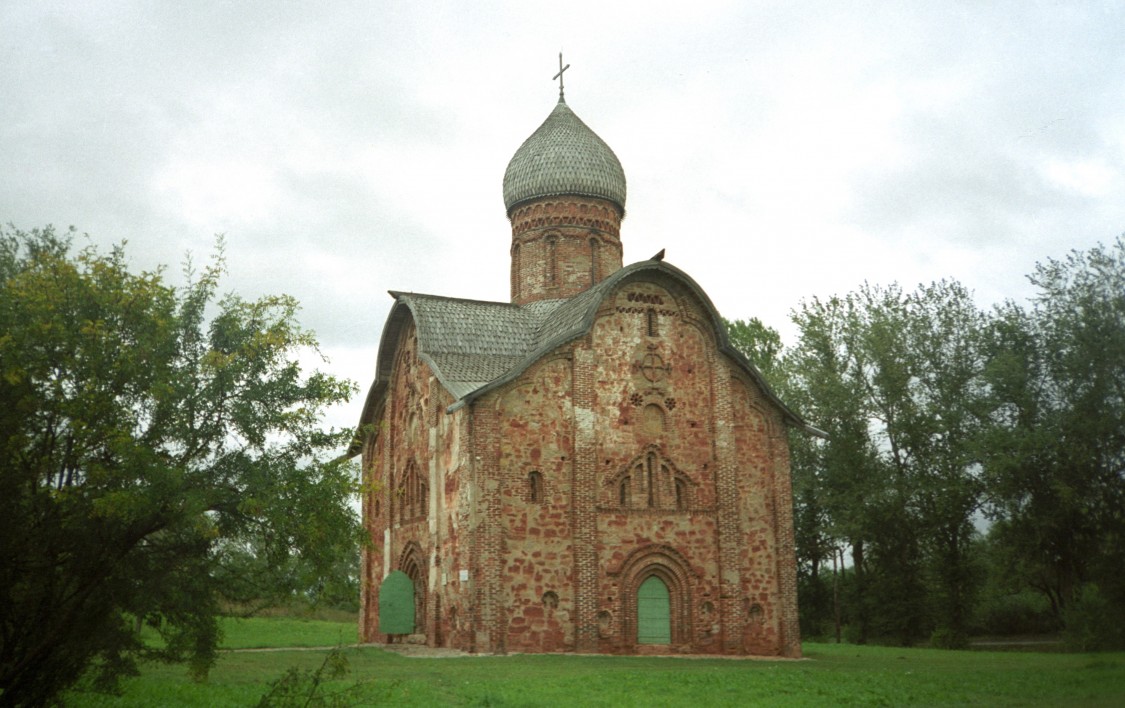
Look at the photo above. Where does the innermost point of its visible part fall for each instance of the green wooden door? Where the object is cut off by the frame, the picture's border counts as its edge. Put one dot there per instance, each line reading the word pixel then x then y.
pixel 396 604
pixel 654 625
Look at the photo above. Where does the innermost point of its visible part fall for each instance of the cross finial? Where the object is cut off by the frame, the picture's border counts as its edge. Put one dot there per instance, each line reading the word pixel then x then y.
pixel 559 75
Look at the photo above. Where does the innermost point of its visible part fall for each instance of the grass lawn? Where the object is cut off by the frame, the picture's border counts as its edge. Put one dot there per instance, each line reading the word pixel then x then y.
pixel 832 675
pixel 257 632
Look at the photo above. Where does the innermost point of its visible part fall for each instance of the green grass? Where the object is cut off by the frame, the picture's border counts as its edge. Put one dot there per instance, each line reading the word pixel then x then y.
pixel 832 675
pixel 256 632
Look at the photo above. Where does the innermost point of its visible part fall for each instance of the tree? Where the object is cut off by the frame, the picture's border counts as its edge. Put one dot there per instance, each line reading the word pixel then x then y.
pixel 926 390
pixel 761 345
pixel 1055 452
pixel 894 378
pixel 837 479
pixel 144 429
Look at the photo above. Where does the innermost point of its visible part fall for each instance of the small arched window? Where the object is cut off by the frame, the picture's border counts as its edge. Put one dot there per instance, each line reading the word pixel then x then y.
pixel 552 260
pixel 593 261
pixel 681 494
pixel 623 492
pixel 413 495
pixel 650 480
pixel 534 487
pixel 653 330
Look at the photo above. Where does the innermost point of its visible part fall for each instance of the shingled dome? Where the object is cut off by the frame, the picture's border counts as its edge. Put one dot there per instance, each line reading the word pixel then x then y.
pixel 563 157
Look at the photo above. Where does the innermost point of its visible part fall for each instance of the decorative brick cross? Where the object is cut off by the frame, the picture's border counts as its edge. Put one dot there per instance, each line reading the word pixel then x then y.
pixel 653 368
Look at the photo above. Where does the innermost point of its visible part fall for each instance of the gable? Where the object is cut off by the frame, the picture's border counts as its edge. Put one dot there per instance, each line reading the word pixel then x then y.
pixel 474 347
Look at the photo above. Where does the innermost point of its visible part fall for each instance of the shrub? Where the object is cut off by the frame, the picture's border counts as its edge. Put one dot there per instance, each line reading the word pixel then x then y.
pixel 1092 623
pixel 946 638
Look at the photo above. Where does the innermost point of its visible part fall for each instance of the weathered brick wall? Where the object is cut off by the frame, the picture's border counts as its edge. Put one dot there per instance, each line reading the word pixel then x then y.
pixel 659 497
pixel 758 593
pixel 535 493
pixel 637 450
pixel 674 455
pixel 453 521
pixel 403 485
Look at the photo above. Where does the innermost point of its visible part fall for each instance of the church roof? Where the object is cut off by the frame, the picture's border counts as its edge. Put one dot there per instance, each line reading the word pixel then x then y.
pixel 563 156
pixel 474 346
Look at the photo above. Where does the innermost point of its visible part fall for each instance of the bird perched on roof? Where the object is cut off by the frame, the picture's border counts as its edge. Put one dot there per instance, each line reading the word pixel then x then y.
pixel 659 256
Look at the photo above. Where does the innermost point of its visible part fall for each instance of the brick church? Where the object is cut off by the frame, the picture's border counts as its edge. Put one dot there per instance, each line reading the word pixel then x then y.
pixel 590 467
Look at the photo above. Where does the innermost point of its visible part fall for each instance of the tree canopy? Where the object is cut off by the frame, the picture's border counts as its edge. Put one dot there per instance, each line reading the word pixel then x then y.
pixel 150 434
pixel 944 420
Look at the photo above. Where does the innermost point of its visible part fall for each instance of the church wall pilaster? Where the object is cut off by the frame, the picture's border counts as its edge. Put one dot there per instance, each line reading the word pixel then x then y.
pixel 790 640
pixel 730 536
pixel 436 509
pixel 584 507
pixel 488 535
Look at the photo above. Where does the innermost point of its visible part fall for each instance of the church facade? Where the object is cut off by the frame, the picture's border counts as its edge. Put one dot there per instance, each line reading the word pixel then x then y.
pixel 590 467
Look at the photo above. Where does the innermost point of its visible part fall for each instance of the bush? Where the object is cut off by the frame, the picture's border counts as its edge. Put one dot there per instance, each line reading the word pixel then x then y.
pixel 1013 614
pixel 1092 623
pixel 946 638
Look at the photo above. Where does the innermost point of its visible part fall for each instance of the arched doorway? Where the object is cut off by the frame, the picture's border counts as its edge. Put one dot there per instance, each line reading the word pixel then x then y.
pixel 656 583
pixel 396 604
pixel 413 567
pixel 654 621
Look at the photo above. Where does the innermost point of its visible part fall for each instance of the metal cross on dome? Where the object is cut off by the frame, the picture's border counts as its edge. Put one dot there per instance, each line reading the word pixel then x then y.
pixel 559 75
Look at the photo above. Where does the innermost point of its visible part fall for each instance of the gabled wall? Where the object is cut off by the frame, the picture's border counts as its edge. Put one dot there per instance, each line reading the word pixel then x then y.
pixel 416 501
pixel 638 450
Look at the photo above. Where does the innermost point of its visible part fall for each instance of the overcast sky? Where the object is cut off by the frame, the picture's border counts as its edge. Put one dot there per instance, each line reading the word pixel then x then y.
pixel 777 150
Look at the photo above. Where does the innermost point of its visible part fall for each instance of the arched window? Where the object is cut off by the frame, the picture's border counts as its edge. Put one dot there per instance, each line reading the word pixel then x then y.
pixel 650 481
pixel 413 495
pixel 534 487
pixel 552 260
pixel 593 261
pixel 652 417
pixel 653 330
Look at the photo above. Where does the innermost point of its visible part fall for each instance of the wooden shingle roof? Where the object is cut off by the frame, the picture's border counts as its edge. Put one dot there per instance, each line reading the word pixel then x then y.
pixel 475 346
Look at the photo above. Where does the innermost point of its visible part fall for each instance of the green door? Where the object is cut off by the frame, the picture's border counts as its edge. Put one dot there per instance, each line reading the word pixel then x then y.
pixel 396 604
pixel 653 623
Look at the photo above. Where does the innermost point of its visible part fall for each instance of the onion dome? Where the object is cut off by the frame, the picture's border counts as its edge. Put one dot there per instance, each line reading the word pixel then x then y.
pixel 564 157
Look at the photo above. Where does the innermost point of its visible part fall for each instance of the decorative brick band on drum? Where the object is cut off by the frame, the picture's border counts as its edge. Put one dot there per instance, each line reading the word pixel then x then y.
pixel 562 247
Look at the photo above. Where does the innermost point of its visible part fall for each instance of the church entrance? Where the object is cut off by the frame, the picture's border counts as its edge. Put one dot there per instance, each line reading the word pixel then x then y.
pixel 654 624
pixel 396 604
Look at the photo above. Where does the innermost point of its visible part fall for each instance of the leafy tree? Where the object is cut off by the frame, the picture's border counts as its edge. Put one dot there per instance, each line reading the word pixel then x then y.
pixel 1055 452
pixel 893 377
pixel 927 392
pixel 146 428
pixel 761 344
pixel 839 474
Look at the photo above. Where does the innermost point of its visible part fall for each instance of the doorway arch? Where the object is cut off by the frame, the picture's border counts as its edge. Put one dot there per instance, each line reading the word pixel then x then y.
pixel 656 588
pixel 412 564
pixel 396 604
pixel 654 623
